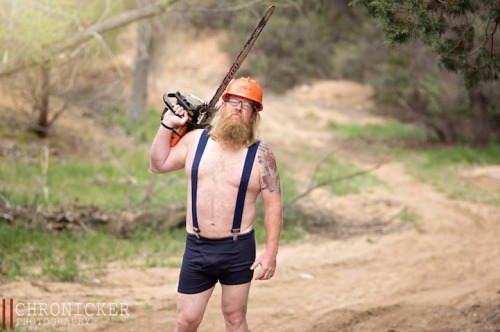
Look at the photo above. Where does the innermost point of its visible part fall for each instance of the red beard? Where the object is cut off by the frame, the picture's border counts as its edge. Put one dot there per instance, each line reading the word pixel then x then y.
pixel 233 131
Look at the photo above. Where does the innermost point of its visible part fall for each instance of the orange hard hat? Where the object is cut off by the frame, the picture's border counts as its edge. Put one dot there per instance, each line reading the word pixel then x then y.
pixel 247 88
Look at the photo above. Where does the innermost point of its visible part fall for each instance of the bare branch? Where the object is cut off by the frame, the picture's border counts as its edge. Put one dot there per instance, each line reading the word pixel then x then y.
pixel 4 202
pixel 107 49
pixel 313 187
pixel 318 165
pixel 100 27
pixel 58 113
pixel 225 9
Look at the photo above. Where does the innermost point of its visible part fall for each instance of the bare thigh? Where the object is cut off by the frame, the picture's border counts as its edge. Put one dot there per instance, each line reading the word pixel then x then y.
pixel 235 297
pixel 191 307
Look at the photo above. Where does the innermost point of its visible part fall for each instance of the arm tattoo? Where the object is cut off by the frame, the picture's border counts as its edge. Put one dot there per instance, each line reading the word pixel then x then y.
pixel 269 177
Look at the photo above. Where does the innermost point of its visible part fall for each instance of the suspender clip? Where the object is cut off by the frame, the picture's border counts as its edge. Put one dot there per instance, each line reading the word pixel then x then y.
pixel 196 232
pixel 235 232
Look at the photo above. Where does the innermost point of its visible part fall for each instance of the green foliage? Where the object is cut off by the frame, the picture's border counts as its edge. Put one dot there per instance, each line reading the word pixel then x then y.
pixel 305 52
pixel 461 33
pixel 408 80
pixel 142 132
pixel 296 45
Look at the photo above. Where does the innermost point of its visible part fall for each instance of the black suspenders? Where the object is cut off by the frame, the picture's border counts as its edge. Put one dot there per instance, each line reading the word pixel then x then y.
pixel 240 199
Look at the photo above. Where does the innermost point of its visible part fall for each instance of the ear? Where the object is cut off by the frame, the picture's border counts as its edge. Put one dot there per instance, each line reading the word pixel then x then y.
pixel 254 114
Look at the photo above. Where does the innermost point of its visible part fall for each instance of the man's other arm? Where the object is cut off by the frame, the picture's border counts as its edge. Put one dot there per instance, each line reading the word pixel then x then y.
pixel 273 211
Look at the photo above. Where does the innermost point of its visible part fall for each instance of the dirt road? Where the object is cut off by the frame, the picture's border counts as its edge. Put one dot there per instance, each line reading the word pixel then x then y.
pixel 443 275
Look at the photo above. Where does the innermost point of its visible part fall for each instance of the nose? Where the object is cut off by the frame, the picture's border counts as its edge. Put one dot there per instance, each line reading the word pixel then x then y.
pixel 239 106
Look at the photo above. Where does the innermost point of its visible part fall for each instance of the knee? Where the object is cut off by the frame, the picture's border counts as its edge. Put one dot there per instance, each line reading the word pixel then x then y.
pixel 235 317
pixel 187 323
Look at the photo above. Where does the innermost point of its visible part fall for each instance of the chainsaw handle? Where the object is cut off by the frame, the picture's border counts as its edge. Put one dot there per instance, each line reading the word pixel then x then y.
pixel 168 102
pixel 181 100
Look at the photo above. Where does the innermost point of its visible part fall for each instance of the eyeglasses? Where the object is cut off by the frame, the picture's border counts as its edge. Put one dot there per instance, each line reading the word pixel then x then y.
pixel 246 105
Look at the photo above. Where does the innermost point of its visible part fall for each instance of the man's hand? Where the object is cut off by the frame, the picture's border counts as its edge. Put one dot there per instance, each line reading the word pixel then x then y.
pixel 267 263
pixel 175 118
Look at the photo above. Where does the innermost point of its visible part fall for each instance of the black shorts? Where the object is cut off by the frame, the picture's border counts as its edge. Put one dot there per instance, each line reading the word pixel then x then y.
pixel 207 261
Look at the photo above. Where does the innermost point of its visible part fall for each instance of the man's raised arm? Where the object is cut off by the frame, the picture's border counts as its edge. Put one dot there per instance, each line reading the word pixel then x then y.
pixel 162 157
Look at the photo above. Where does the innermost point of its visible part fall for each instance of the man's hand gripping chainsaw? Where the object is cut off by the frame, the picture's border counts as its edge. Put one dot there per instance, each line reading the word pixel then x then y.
pixel 200 113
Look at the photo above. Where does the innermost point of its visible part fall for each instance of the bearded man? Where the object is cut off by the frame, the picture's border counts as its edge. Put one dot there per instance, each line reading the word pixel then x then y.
pixel 226 169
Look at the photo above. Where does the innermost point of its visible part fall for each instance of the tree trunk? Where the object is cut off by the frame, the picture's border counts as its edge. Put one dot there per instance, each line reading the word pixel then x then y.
pixel 138 98
pixel 480 127
pixel 42 96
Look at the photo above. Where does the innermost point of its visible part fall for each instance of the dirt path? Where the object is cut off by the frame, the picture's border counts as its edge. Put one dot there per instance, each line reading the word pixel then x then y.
pixel 443 276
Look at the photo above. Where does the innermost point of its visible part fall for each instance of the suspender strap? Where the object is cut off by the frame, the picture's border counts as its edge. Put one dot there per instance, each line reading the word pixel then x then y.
pixel 194 179
pixel 242 191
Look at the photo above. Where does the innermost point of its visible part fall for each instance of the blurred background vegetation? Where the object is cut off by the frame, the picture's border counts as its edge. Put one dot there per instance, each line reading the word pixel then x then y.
pixel 433 66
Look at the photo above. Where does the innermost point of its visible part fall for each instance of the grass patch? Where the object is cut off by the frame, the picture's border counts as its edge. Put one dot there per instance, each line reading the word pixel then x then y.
pixel 109 185
pixel 143 132
pixel 70 255
pixel 381 131
pixel 410 217
pixel 442 167
pixel 336 175
pixel 461 155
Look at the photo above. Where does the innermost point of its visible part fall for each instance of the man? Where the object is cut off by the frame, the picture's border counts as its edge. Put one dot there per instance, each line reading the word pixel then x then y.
pixel 226 168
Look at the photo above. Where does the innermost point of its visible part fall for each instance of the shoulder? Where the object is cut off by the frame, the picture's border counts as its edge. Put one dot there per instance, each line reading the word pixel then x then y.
pixel 269 175
pixel 263 146
pixel 191 138
pixel 266 157
pixel 264 151
pixel 195 133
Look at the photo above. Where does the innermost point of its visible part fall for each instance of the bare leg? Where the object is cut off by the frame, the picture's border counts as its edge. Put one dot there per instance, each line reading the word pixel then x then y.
pixel 234 307
pixel 190 310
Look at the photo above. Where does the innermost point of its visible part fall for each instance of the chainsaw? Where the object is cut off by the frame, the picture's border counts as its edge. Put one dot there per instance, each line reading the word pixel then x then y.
pixel 199 112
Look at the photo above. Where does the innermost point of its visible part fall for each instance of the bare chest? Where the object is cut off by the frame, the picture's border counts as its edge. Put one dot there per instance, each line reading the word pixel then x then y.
pixel 222 168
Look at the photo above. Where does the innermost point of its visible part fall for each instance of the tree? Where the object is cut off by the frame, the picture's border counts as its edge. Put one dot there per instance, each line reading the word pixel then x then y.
pixel 464 36
pixel 138 98
pixel 30 39
pixel 301 40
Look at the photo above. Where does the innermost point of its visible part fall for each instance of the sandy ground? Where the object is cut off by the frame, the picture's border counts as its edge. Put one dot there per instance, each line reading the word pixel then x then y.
pixel 443 275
